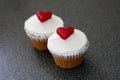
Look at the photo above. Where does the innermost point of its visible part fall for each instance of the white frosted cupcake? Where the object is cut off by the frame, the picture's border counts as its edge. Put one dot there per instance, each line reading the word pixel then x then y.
pixel 40 26
pixel 68 47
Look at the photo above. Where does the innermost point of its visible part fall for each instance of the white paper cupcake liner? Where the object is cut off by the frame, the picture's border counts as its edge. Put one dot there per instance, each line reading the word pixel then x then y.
pixel 69 61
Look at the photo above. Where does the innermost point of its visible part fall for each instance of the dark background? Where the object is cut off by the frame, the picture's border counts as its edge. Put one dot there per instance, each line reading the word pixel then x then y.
pixel 98 19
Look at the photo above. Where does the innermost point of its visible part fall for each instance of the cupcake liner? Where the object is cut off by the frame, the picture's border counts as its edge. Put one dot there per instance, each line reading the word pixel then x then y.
pixel 68 62
pixel 69 59
pixel 39 44
pixel 38 41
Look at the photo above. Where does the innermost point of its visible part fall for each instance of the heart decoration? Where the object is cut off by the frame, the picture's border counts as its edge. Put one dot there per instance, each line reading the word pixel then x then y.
pixel 43 16
pixel 64 33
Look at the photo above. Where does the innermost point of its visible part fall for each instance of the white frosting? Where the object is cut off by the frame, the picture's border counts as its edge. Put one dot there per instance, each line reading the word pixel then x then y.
pixel 76 44
pixel 37 30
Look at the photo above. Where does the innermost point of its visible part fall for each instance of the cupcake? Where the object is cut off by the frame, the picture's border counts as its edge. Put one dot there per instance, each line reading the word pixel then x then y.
pixel 40 26
pixel 68 47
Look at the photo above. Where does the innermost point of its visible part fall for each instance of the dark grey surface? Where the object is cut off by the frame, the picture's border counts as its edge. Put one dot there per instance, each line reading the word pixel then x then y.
pixel 99 19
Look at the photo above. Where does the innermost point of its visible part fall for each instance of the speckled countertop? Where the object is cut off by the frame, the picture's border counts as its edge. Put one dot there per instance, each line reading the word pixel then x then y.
pixel 98 19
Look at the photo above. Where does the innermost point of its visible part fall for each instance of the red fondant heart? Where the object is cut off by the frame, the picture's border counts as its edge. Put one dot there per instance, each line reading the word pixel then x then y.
pixel 64 33
pixel 43 16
